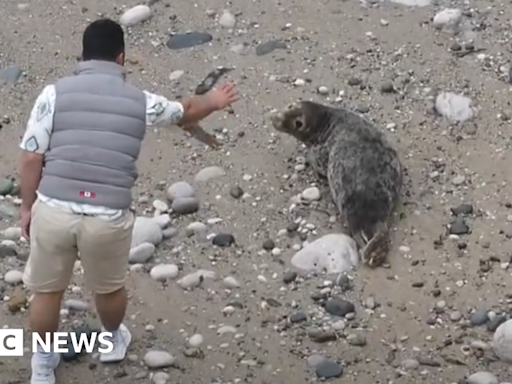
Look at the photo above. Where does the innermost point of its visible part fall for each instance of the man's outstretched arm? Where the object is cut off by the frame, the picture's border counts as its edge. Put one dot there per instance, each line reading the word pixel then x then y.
pixel 191 110
pixel 34 144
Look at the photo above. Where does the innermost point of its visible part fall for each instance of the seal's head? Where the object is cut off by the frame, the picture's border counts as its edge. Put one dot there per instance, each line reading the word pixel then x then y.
pixel 304 120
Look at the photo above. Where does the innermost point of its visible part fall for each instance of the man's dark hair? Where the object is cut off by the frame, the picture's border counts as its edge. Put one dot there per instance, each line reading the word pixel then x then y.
pixel 102 40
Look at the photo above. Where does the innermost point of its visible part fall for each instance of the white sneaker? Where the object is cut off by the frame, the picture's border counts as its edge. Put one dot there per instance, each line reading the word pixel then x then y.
pixel 43 368
pixel 121 340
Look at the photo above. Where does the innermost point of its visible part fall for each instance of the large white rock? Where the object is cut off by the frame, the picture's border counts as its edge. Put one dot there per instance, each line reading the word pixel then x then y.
pixel 194 279
pixel 158 359
pixel 163 221
pixel 13 277
pixel 482 378
pixel 146 230
pixel 310 194
pixel 135 15
pixel 12 233
pixel 502 341
pixel 162 272
pixel 209 173
pixel 179 190
pixel 453 106
pixel 447 18
pixel 141 253
pixel 227 19
pixel 333 253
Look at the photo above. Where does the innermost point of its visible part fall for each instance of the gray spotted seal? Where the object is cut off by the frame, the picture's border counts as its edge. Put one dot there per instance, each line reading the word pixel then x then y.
pixel 363 170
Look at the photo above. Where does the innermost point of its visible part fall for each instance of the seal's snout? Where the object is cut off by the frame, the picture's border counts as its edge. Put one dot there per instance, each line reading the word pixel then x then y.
pixel 277 119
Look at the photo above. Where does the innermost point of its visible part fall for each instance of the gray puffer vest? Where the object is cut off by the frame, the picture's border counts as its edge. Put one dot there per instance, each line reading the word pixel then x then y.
pixel 98 127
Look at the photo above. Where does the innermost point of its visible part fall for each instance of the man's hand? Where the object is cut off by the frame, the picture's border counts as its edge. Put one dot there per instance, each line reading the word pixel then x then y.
pixel 25 218
pixel 198 107
pixel 223 95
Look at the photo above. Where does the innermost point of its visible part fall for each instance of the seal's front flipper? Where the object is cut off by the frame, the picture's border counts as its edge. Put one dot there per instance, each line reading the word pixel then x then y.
pixel 375 252
pixel 196 131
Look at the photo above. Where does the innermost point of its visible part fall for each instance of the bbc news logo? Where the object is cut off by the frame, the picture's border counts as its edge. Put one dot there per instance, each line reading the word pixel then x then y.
pixel 12 342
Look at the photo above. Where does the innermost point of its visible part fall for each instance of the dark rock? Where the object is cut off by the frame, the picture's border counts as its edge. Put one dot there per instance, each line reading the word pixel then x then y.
pixel 329 369
pixel 339 307
pixel 7 252
pixel 455 47
pixel 459 226
pixel 318 296
pixel 479 317
pixel 462 209
pixel 185 205
pixel 289 277
pixel 223 240
pixel 353 81
pixel 236 192
pixel 496 322
pixel 273 302
pixel 320 336
pixel 363 108
pixel 387 87
pixel 6 186
pixel 188 40
pixel 17 301
pixel 298 317
pixel 72 354
pixel 269 245
pixel 292 227
pixel 269 46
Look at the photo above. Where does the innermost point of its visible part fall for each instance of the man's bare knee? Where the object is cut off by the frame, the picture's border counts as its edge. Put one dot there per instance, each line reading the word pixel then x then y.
pixel 44 311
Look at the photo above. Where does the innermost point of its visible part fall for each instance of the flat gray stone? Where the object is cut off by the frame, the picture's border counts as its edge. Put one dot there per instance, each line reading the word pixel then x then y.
pixel 146 230
pixel 11 74
pixel 180 189
pixel 188 40
pixel 185 205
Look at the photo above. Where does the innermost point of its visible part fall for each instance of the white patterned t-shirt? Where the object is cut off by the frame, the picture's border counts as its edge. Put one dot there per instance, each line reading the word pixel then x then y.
pixel 37 135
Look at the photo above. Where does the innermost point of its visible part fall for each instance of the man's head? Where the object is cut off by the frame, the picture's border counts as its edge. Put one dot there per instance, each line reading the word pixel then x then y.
pixel 103 40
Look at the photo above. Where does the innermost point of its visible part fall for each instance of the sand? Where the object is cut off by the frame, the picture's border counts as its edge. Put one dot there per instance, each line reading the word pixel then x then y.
pixel 407 313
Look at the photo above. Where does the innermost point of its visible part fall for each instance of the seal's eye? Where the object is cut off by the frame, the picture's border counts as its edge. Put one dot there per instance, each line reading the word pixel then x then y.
pixel 298 124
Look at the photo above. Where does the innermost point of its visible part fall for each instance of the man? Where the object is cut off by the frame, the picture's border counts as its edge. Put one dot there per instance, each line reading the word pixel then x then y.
pixel 77 170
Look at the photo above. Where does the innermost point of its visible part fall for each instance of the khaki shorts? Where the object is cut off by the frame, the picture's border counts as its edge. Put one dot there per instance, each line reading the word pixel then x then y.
pixel 56 238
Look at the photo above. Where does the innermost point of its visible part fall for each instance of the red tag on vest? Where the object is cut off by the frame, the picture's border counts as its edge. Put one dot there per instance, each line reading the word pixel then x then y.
pixel 87 194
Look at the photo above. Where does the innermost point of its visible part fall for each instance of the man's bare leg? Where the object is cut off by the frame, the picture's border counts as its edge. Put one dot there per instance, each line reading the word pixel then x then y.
pixel 111 308
pixel 44 314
